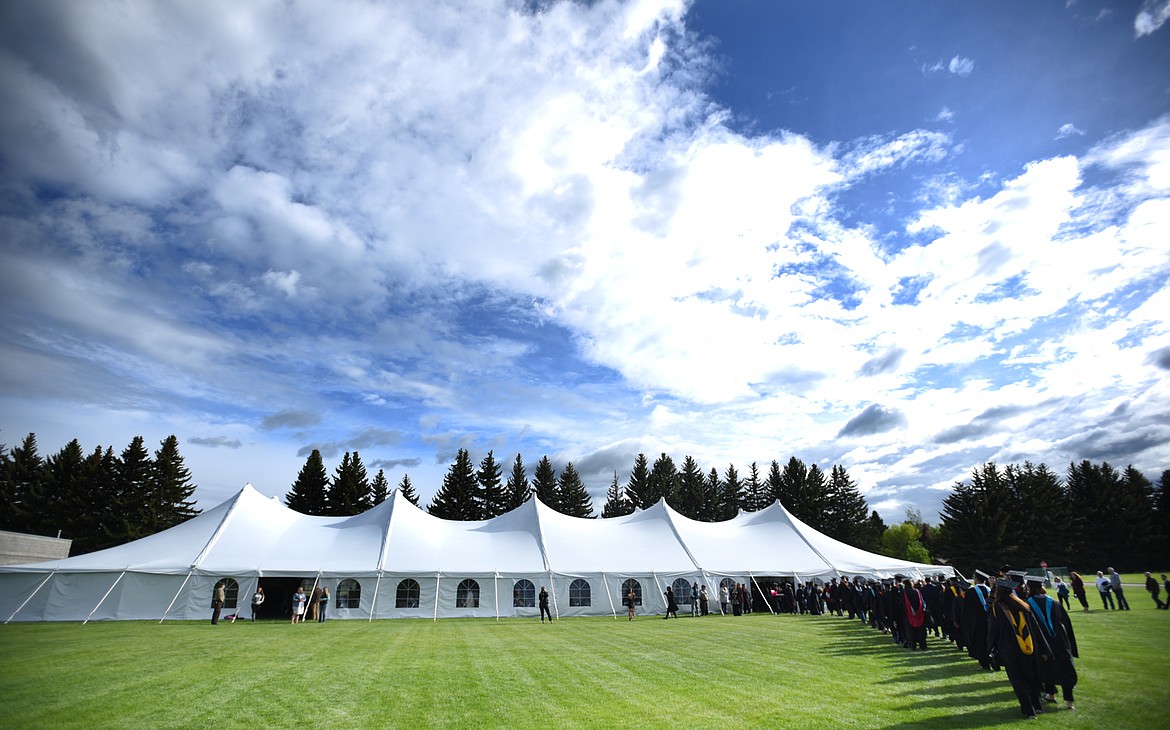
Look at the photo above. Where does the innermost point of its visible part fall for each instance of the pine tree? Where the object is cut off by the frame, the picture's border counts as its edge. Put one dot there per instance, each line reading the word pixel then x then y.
pixel 309 493
pixel 134 501
pixel 379 488
pixel 349 491
pixel 517 491
pixel 544 484
pixel 753 496
pixel 846 512
pixel 1162 517
pixel 407 490
pixel 775 483
pixel 689 498
pixel 491 491
pixel 99 515
pixel 816 488
pixel 1137 505
pixel 663 481
pixel 65 494
pixel 616 503
pixel 715 486
pixel 975 529
pixel 575 500
pixel 1099 527
pixel 456 498
pixel 638 486
pixel 733 493
pixel 1039 515
pixel 23 470
pixel 794 490
pixel 172 487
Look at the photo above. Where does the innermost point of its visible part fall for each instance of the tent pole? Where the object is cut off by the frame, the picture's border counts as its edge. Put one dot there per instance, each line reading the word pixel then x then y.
pixel 496 590
pixel 374 600
pixel 172 603
pixel 107 595
pixel 609 595
pixel 761 590
pixel 30 596
pixel 247 596
pixel 552 584
pixel 436 595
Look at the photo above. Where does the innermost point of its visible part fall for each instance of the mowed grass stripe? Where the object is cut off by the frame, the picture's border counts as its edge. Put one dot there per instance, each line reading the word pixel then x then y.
pixel 752 671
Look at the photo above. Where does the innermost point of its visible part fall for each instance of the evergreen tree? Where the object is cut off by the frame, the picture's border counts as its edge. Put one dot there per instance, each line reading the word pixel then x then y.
pixel 456 498
pixel 716 487
pixel 65 492
pixel 1111 515
pixel 975 531
pixel 349 491
pixel 774 487
pixel 98 516
pixel 407 490
pixel 172 488
pixel 309 493
pixel 1039 515
pixel 491 490
pixel 1137 506
pixel 575 500
pixel 689 497
pixel 379 488
pixel 616 503
pixel 638 486
pixel 663 479
pixel 517 491
pixel 1161 538
pixel 846 512
pixel 544 484
pixel 23 470
pixel 753 494
pixel 133 495
pixel 732 493
pixel 802 491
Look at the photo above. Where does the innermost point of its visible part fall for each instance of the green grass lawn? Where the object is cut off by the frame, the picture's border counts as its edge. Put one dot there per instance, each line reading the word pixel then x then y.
pixel 752 671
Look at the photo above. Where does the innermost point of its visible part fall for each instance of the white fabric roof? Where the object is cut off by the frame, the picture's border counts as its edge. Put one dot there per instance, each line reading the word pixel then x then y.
pixel 250 535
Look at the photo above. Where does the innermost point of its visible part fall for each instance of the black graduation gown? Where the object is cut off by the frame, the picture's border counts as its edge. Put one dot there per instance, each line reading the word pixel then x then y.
pixel 1058 631
pixel 1022 669
pixel 974 623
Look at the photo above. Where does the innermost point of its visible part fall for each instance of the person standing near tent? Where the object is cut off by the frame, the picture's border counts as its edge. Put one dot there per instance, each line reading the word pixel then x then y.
pixel 671 605
pixel 544 605
pixel 703 601
pixel 257 602
pixel 217 601
pixel 323 600
pixel 976 604
pixel 630 598
pixel 298 605
pixel 695 599
pixel 724 598
pixel 314 602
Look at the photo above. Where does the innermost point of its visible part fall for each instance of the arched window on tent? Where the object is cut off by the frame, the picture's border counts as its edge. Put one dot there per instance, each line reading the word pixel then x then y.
pixel 682 591
pixel 524 594
pixel 579 593
pixel 632 585
pixel 729 584
pixel 349 593
pixel 407 594
pixel 231 592
pixel 467 594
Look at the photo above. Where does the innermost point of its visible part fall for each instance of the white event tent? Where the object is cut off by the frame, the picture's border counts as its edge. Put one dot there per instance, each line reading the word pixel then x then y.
pixel 397 561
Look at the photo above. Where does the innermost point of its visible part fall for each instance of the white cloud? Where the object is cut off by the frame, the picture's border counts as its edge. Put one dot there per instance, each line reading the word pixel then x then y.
pixel 960 66
pixel 1152 16
pixel 1068 130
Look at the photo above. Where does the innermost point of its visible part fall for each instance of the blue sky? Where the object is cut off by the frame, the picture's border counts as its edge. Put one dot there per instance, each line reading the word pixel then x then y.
pixel 904 238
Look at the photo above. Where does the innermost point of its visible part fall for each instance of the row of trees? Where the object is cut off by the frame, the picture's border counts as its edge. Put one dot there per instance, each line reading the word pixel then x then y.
pixel 98 500
pixel 830 503
pixel 1022 514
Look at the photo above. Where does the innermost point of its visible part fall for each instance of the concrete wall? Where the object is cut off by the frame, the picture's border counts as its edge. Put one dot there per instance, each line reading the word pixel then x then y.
pixel 17 548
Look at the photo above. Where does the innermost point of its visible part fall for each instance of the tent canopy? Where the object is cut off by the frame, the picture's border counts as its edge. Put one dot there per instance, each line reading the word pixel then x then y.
pixel 395 560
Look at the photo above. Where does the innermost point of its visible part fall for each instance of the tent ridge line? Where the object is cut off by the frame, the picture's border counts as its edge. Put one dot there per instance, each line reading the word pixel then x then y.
pixel 678 537
pixel 218 531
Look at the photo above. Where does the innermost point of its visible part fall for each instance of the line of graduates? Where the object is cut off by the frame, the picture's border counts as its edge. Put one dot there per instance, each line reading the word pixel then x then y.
pixel 1005 623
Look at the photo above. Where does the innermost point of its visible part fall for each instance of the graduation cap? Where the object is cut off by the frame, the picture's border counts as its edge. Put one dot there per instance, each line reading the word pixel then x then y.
pixel 982 575
pixel 887 582
pixel 899 577
pixel 1037 579
pixel 1007 584
pixel 1017 575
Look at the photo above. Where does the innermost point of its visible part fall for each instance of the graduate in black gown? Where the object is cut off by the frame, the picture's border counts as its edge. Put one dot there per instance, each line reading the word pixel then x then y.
pixel 1015 641
pixel 976 604
pixel 916 618
pixel 1058 631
